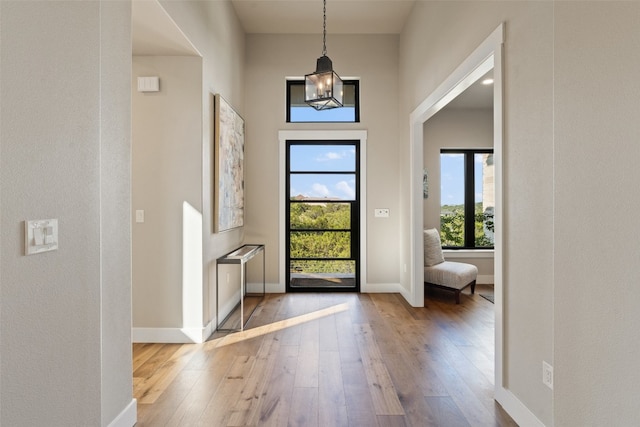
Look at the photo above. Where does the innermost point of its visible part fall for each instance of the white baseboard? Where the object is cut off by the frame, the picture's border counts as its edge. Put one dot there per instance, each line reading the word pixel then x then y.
pixel 485 279
pixel 270 288
pixel 173 335
pixel 516 409
pixel 128 417
pixel 381 288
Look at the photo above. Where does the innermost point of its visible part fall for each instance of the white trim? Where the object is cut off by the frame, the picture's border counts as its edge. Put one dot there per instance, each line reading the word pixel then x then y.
pixel 472 68
pixel 381 288
pixel 485 279
pixel 498 147
pixel 286 135
pixel 486 56
pixel 270 288
pixel 128 417
pixel 173 335
pixel 476 253
pixel 516 409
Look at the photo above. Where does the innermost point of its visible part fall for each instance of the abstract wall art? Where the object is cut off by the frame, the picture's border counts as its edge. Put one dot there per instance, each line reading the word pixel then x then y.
pixel 228 212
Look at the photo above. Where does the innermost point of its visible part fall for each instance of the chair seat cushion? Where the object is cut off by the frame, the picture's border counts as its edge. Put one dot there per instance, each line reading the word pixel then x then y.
pixel 454 275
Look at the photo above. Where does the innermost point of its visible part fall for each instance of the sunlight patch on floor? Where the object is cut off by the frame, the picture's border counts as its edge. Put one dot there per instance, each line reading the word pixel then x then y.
pixel 275 326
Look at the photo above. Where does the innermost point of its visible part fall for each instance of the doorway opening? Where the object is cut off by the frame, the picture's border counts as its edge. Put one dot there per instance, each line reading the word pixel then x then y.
pixel 349 194
pixel 322 214
pixel 486 57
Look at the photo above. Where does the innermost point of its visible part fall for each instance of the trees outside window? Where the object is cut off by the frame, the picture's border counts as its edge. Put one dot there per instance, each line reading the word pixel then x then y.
pixel 467 201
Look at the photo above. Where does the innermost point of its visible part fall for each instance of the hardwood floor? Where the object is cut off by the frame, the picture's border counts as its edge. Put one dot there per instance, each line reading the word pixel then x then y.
pixel 330 360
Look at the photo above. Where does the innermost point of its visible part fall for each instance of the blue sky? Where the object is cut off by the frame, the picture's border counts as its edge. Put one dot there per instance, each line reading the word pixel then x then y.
pixel 452 184
pixel 340 158
pixel 333 158
pixel 308 114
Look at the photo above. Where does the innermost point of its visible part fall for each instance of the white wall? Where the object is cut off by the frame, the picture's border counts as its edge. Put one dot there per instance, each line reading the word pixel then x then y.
pixel 596 293
pixel 570 137
pixel 273 58
pixel 214 30
pixel 454 128
pixel 115 203
pixel 435 40
pixel 166 183
pixel 65 351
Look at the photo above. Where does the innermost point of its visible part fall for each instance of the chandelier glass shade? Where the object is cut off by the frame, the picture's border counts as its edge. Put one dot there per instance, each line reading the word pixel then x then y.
pixel 323 88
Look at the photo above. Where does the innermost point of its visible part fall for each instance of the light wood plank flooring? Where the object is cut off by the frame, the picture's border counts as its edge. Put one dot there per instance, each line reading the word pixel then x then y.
pixel 330 360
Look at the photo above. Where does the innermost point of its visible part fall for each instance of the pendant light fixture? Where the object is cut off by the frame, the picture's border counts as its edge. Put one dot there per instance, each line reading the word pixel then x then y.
pixel 323 89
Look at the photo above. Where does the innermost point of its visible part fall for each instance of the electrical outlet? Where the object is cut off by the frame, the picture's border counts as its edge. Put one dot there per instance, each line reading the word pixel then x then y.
pixel 547 375
pixel 381 213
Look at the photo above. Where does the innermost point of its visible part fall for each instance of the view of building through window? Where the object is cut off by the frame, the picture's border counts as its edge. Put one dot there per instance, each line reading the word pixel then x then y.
pixel 467 201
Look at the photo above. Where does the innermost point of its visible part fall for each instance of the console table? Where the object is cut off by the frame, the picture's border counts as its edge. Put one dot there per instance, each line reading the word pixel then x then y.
pixel 239 256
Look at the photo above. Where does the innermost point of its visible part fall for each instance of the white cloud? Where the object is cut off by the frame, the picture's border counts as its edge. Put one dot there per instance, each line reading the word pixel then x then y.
pixel 344 187
pixel 319 190
pixel 333 155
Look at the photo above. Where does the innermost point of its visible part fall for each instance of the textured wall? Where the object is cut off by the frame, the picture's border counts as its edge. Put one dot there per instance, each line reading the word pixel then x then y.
pixel 596 294
pixel 115 204
pixel 63 154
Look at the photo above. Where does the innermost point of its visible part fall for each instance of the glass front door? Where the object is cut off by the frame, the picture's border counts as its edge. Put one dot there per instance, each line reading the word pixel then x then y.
pixel 322 211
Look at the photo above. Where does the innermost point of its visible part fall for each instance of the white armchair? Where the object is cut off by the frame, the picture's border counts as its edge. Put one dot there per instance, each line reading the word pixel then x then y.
pixel 454 276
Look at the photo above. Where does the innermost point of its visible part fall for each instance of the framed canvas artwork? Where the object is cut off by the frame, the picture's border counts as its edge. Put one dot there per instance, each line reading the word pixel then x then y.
pixel 228 212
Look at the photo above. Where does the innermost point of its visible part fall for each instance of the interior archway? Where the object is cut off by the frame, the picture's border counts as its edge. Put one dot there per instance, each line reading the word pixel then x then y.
pixel 487 56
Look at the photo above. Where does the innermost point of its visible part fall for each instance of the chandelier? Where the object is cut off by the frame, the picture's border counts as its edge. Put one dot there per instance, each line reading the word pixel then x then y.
pixel 323 89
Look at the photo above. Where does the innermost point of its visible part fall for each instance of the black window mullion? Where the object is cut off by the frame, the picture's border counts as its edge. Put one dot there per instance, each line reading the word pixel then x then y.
pixel 469 200
pixel 355 84
pixel 351 256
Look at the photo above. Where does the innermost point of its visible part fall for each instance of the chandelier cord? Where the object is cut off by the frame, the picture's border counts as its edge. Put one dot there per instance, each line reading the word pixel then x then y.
pixel 324 28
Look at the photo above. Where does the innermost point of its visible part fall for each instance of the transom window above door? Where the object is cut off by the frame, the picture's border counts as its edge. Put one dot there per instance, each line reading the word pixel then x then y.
pixel 299 112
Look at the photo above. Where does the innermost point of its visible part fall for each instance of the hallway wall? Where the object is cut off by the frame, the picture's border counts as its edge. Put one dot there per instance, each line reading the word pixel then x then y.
pixel 65 320
pixel 435 40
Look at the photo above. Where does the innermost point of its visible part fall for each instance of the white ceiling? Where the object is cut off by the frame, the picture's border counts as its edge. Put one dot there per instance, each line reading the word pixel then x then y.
pixel 478 95
pixel 155 33
pixel 305 16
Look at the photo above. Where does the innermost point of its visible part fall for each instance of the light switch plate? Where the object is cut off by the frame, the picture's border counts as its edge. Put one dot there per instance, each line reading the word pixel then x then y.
pixel 149 84
pixel 139 215
pixel 40 235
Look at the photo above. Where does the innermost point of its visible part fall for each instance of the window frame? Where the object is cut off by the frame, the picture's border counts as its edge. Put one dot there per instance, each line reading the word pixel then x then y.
pixel 300 82
pixel 469 196
pixel 355 218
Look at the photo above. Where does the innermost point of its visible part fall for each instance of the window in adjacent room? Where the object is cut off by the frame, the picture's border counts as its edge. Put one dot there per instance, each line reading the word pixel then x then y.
pixel 467 199
pixel 299 112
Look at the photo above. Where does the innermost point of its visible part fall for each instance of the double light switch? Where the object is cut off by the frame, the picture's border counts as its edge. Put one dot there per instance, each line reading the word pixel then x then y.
pixel 40 236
